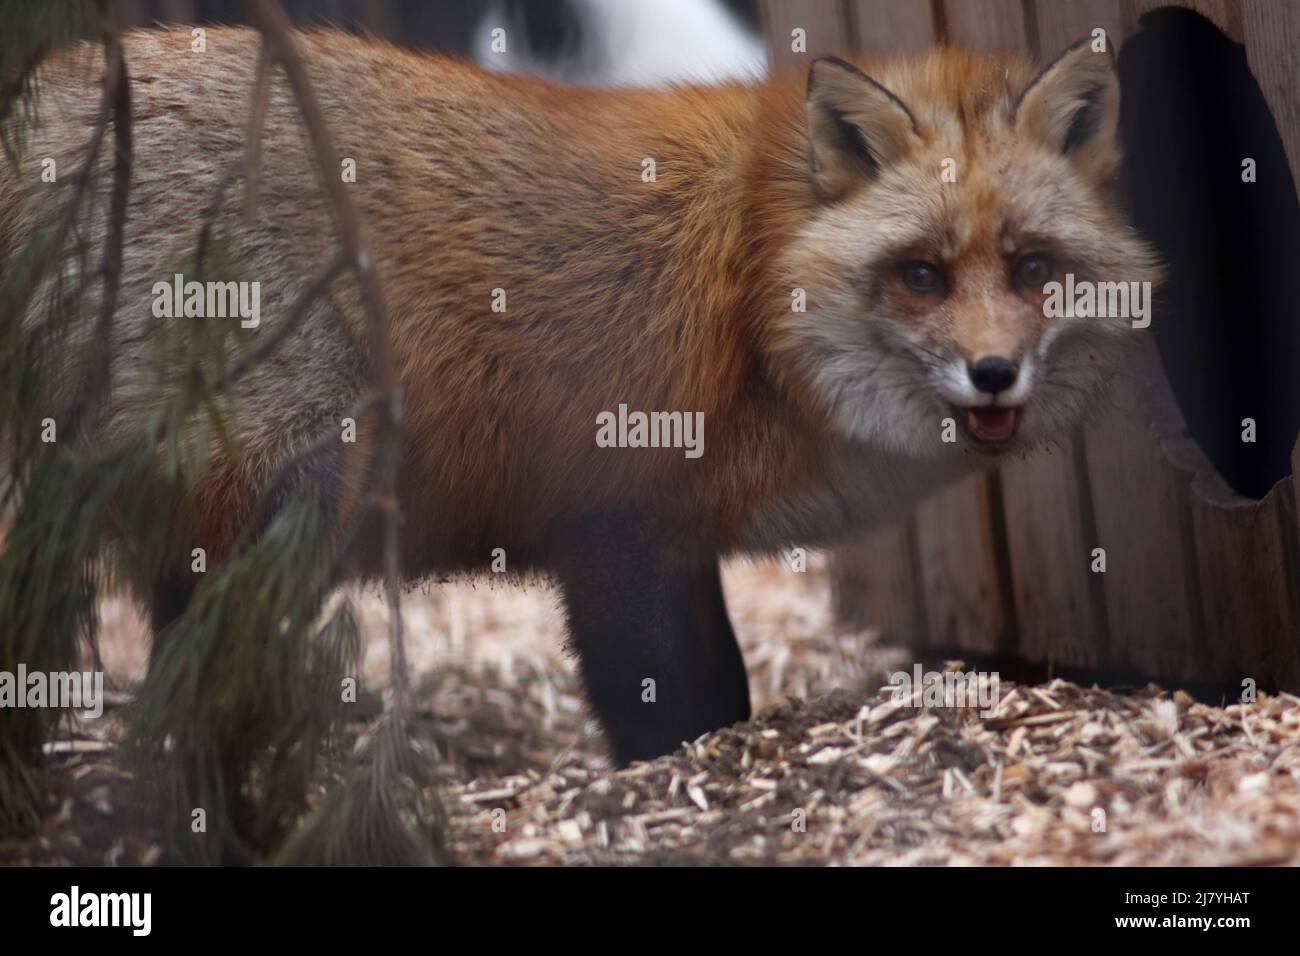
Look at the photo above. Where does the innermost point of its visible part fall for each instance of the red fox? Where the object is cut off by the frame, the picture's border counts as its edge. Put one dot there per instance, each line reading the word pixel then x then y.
pixel 636 330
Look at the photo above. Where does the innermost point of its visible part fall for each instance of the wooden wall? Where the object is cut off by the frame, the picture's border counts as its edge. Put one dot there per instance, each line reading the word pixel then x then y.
pixel 1200 585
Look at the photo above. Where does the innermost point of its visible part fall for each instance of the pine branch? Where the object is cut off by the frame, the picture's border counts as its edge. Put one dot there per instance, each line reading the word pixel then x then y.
pixel 40 615
pixel 235 716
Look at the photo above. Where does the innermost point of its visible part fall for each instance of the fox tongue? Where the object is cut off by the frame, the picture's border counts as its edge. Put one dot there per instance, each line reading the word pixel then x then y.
pixel 991 423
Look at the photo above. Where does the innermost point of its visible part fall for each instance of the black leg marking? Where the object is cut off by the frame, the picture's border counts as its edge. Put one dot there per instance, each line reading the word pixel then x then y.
pixel 631 620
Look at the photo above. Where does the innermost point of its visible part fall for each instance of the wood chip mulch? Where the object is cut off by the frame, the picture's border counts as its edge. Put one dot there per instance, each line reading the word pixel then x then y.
pixel 830 771
pixel 1062 775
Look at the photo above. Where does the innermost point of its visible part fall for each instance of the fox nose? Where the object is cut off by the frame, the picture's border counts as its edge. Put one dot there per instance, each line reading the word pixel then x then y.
pixel 992 374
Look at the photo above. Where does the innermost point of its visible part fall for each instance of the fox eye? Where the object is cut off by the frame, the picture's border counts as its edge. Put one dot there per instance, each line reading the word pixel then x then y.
pixel 1034 270
pixel 921 277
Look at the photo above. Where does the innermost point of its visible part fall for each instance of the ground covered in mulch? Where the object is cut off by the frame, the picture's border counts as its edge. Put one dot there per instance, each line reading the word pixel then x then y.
pixel 832 769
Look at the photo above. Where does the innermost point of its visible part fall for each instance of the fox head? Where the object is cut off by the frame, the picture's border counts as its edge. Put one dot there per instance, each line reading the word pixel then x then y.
pixel 958 199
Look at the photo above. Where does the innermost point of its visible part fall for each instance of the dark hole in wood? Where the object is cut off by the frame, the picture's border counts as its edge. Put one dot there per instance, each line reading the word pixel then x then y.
pixel 1227 323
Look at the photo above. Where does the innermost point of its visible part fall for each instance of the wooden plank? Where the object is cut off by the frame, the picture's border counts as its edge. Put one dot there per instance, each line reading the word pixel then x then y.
pixel 1061 25
pixel 1226 14
pixel 960 572
pixel 1272 29
pixel 874 584
pixel 1251 621
pixel 1050 537
pixel 892 26
pixel 988 25
pixel 1247 562
pixel 1140 503
pixel 825 24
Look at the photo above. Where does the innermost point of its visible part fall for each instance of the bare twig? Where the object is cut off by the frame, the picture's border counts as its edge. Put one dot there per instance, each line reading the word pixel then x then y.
pixel 212 209
pixel 117 93
pixel 268 345
pixel 256 121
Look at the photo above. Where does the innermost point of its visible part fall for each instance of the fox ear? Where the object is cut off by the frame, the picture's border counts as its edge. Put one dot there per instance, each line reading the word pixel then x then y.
pixel 855 125
pixel 1072 107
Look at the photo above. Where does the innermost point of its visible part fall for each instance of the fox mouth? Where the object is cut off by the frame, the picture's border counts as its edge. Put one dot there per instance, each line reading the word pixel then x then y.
pixel 992 426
